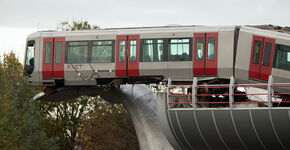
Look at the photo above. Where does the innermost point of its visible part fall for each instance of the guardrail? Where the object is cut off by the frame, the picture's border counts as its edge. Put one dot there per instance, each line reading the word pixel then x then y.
pixel 193 102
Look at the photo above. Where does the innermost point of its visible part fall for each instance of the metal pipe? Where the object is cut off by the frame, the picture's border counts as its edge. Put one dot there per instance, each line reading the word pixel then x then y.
pixel 231 92
pixel 168 93
pixel 194 92
pixel 269 89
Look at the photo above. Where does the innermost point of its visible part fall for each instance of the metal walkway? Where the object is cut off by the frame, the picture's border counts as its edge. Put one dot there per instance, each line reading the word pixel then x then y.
pixel 255 125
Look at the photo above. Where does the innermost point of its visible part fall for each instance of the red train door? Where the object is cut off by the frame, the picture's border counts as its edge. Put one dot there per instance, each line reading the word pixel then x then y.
pixel 133 55
pixel 47 58
pixel 198 54
pixel 127 55
pixel 211 54
pixel 58 57
pixel 121 56
pixel 261 58
pixel 205 54
pixel 53 57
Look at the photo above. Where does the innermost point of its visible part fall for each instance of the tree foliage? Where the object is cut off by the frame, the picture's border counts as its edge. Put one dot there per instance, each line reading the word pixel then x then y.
pixel 108 126
pixel 21 126
pixel 63 119
pixel 76 25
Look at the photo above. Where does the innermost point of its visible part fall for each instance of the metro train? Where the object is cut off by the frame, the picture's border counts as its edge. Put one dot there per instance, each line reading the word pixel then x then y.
pixel 153 54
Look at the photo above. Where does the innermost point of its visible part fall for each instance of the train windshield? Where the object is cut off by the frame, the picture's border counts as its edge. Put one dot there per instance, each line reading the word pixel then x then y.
pixel 29 60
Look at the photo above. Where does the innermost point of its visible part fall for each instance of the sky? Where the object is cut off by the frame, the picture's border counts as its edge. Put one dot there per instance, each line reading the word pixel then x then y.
pixel 19 18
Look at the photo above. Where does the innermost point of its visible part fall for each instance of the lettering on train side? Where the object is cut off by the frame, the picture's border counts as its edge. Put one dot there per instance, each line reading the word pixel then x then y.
pixel 68 67
pixel 79 66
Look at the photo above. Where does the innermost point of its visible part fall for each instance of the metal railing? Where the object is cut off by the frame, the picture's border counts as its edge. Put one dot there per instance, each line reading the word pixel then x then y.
pixel 192 98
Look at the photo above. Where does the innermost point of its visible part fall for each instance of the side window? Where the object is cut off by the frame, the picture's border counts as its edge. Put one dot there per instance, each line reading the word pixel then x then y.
pixel 211 48
pixel 29 60
pixel 148 51
pixel 121 56
pixel 159 50
pixel 47 52
pixel 199 48
pixel 133 50
pixel 267 54
pixel 58 52
pixel 257 49
pixel 102 51
pixel 152 50
pixel 78 52
pixel 283 57
pixel 178 50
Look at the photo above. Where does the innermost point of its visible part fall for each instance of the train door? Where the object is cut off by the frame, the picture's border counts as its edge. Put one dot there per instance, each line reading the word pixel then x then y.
pixel 127 55
pixel 58 57
pixel 261 58
pixel 47 58
pixel 53 57
pixel 205 54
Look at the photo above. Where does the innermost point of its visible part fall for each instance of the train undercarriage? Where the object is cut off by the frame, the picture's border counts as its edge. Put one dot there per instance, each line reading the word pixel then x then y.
pixel 213 93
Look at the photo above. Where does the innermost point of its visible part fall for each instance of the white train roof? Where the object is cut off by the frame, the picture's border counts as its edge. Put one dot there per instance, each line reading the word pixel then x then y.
pixel 265 32
pixel 110 32
pixel 130 31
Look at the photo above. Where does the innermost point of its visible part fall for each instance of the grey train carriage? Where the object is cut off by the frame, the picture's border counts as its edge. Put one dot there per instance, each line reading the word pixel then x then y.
pixel 87 58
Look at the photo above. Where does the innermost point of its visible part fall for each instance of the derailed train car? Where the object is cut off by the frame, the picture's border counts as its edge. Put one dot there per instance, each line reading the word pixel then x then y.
pixel 261 53
pixel 152 54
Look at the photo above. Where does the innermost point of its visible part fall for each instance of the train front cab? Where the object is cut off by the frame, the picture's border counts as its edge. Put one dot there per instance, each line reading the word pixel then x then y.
pixel 31 64
pixel 261 53
pixel 44 59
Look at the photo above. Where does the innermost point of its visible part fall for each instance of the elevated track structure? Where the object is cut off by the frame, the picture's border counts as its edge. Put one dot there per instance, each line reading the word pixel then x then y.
pixel 192 123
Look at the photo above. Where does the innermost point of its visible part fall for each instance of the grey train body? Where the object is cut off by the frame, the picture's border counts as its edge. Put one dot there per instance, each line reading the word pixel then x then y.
pixel 234 46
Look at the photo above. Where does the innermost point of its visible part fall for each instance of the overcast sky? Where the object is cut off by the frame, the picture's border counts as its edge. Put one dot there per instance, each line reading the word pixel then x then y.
pixel 18 18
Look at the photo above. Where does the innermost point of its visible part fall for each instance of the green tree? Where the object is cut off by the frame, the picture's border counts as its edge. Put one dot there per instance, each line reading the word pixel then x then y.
pixel 63 119
pixel 107 126
pixel 21 126
pixel 76 25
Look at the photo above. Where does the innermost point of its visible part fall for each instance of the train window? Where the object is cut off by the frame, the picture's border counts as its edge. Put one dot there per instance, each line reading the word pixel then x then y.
pixel 102 51
pixel 267 54
pixel 148 51
pixel 77 43
pixel 78 52
pixel 283 57
pixel 256 55
pixel 178 50
pixel 102 43
pixel 47 52
pixel 133 50
pixel 29 60
pixel 199 48
pixel 58 52
pixel 159 50
pixel 210 48
pixel 121 51
pixel 152 50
